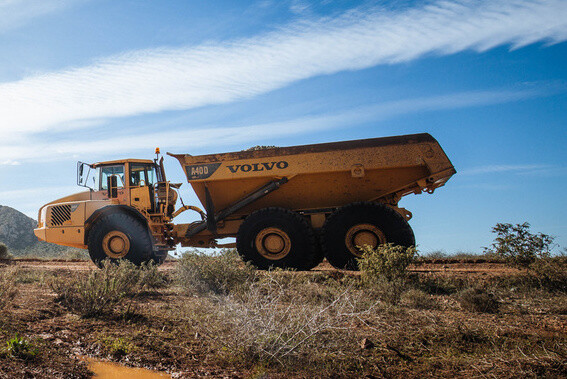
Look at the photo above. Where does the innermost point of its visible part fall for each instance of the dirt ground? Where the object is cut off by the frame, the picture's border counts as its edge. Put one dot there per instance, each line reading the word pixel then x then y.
pixel 449 266
pixel 527 336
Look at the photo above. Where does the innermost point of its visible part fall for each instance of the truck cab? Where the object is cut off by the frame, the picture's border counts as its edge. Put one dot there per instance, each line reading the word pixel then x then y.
pixel 127 200
pixel 132 182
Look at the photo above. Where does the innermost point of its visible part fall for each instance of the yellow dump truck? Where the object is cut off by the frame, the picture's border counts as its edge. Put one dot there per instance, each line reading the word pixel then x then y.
pixel 287 207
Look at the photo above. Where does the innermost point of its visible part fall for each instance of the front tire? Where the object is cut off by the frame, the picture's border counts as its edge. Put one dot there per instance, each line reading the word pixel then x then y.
pixel 277 237
pixel 359 224
pixel 119 236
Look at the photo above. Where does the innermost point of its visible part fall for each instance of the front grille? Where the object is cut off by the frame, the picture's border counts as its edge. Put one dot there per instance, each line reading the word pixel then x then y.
pixel 60 214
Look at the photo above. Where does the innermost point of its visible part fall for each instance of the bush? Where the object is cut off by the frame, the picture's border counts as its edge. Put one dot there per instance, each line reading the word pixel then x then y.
pixel 151 278
pixel 518 246
pixel 4 254
pixel 477 300
pixel 389 262
pixel 101 290
pixel 219 273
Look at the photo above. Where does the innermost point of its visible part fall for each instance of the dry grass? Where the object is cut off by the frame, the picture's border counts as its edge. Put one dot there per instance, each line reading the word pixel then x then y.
pixel 7 286
pixel 297 324
pixel 267 323
pixel 416 298
pixel 342 325
pixel 477 300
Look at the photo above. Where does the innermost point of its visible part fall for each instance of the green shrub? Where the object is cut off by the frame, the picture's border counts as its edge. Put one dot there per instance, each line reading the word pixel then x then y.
pixel 100 290
pixel 219 273
pixel 21 348
pixel 388 261
pixel 116 347
pixel 477 300
pixel 518 246
pixel 4 254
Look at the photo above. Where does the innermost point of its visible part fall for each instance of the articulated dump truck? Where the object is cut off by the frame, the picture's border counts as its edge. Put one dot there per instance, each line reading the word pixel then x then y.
pixel 288 207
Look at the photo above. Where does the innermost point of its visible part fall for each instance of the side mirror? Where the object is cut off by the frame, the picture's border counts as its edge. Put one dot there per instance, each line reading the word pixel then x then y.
pixel 112 185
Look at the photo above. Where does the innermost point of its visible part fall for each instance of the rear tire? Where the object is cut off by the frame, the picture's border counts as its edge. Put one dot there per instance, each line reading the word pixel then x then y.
pixel 119 236
pixel 360 224
pixel 277 237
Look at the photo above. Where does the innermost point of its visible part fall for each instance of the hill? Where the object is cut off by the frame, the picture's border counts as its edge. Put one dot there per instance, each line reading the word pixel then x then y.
pixel 16 232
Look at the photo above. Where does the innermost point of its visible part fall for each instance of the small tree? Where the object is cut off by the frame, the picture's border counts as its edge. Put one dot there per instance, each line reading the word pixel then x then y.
pixel 518 246
pixel 4 254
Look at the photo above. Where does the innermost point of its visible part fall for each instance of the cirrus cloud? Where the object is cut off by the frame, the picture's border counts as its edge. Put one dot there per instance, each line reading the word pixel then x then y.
pixel 155 80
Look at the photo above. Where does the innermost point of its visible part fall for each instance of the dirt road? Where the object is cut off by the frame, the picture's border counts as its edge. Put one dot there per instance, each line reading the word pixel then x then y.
pixel 449 266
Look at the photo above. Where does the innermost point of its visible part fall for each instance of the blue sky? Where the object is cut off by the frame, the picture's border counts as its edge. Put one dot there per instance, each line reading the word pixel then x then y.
pixel 95 80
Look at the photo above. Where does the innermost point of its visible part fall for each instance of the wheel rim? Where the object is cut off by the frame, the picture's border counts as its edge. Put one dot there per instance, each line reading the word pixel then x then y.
pixel 361 235
pixel 273 243
pixel 116 244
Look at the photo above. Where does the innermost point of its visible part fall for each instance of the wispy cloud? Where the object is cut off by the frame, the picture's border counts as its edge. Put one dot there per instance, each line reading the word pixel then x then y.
pixel 499 169
pixel 155 80
pixel 208 136
pixel 14 13
pixel 9 162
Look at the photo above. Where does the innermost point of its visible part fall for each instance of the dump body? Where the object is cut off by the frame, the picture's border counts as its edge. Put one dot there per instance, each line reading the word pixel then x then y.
pixel 320 176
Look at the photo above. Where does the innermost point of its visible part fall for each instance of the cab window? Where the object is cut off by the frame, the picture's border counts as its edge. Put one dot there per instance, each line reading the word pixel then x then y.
pixel 142 175
pixel 107 171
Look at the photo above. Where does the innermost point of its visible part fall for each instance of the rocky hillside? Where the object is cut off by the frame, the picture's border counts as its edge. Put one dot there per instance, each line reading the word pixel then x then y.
pixel 16 229
pixel 16 232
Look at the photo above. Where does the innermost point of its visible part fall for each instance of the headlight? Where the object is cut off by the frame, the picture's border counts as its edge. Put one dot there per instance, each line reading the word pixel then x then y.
pixel 42 217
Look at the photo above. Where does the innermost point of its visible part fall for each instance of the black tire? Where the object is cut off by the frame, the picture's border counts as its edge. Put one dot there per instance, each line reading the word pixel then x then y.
pixel 380 223
pixel 160 256
pixel 131 237
pixel 294 243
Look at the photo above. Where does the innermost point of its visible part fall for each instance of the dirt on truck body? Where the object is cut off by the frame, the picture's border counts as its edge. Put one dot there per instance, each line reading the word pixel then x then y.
pixel 287 207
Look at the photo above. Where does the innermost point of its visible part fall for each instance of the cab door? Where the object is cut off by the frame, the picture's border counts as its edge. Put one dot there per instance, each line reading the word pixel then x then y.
pixel 114 170
pixel 142 179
